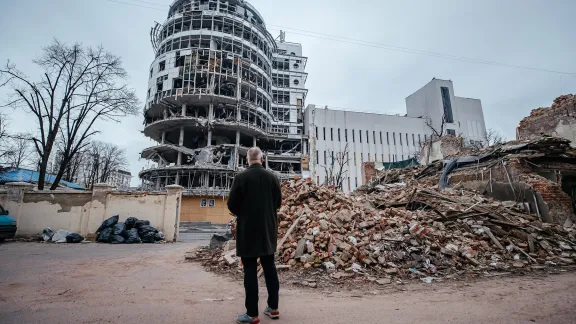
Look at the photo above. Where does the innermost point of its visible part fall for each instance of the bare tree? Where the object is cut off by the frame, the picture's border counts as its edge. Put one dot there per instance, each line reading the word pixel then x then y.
pixel 20 151
pixel 436 132
pixel 101 161
pixel 4 147
pixel 80 85
pixel 493 137
pixel 335 170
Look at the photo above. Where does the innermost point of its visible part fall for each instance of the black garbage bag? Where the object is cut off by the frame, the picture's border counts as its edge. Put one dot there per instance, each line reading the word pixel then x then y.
pixel 130 222
pixel 140 223
pixel 148 237
pixel 117 239
pixel 147 233
pixel 105 236
pixel 119 229
pixel 133 236
pixel 159 236
pixel 108 223
pixel 74 238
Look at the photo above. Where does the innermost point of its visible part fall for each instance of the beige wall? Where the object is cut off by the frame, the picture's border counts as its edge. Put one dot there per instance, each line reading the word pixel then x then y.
pixel 83 212
pixel 193 212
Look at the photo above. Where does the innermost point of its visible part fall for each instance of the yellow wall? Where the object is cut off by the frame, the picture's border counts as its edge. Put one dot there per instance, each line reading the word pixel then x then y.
pixel 191 211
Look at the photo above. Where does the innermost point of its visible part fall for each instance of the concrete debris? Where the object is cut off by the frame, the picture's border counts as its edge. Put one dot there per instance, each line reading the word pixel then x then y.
pixel 408 232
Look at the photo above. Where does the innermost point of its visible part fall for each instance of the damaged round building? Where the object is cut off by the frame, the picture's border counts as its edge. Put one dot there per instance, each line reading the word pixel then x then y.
pixel 220 84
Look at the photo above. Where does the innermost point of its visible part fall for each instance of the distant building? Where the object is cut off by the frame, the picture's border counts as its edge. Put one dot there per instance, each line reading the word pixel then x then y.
pixel 373 137
pixel 120 179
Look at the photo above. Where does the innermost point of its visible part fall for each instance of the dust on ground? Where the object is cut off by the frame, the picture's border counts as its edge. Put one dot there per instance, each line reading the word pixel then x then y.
pixel 94 283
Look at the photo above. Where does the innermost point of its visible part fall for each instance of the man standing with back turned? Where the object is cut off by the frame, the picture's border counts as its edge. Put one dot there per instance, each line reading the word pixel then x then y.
pixel 254 198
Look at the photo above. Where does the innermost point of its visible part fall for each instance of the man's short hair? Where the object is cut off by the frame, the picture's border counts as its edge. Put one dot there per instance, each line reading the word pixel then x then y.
pixel 254 154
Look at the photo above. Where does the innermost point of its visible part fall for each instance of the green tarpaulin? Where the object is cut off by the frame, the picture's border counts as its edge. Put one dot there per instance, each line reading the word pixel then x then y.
pixel 400 164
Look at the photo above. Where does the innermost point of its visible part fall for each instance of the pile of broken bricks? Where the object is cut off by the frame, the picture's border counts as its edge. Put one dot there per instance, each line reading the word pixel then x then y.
pixel 399 233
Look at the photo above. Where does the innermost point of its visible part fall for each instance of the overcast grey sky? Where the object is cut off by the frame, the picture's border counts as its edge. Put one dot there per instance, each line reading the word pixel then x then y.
pixel 534 33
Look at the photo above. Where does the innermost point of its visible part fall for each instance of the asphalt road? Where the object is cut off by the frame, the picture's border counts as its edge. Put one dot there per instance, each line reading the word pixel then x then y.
pixel 96 283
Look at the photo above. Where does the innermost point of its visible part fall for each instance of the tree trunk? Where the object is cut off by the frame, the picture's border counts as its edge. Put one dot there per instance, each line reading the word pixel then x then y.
pixel 42 172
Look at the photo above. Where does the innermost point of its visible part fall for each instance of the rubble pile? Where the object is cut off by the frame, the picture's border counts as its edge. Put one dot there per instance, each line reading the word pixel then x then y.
pixel 405 231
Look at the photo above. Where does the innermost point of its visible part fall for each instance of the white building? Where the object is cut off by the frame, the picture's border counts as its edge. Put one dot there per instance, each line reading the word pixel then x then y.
pixel 219 84
pixel 388 138
pixel 120 179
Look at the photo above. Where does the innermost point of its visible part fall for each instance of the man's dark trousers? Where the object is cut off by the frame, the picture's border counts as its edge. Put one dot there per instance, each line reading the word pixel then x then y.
pixel 251 283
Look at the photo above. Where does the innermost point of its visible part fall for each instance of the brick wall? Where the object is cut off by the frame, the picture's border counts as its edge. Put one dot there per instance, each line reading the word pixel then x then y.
pixel 558 120
pixel 559 203
pixel 368 171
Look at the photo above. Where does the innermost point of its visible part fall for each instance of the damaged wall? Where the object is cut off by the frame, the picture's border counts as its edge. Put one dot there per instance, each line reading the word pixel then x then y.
pixel 557 201
pixel 440 148
pixel 83 212
pixel 558 120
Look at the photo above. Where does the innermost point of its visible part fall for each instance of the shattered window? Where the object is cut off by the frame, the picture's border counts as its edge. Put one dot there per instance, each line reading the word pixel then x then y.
pixel 448 117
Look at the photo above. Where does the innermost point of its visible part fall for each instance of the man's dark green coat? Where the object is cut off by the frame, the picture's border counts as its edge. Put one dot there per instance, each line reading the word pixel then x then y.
pixel 254 199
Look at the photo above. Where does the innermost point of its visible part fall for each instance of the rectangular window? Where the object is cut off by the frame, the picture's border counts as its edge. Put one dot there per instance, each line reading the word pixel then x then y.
pixel 318 181
pixel 151 72
pixel 451 131
pixel 324 131
pixel 382 157
pixel 354 158
pixel 448 117
pixel 368 155
pixel 332 134
pixel 374 136
pixel 380 138
pixel 375 157
pixel 394 138
pixel 332 157
pixel 419 140
pixel 407 141
pixel 413 140
pixel 387 138
pixel 339 140
pixel 317 161
pixel 400 136
pixel 353 137
pixel 360 135
pixel 346 135
pixel 367 138
pixel 203 203
pixel 402 157
pixel 324 157
pixel 361 157
pixel 356 181
pixel 162 66
pixel 348 184
pixel 425 138
pixel 316 132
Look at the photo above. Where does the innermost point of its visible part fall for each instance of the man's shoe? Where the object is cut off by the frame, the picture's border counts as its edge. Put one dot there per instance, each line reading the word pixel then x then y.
pixel 272 313
pixel 245 319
